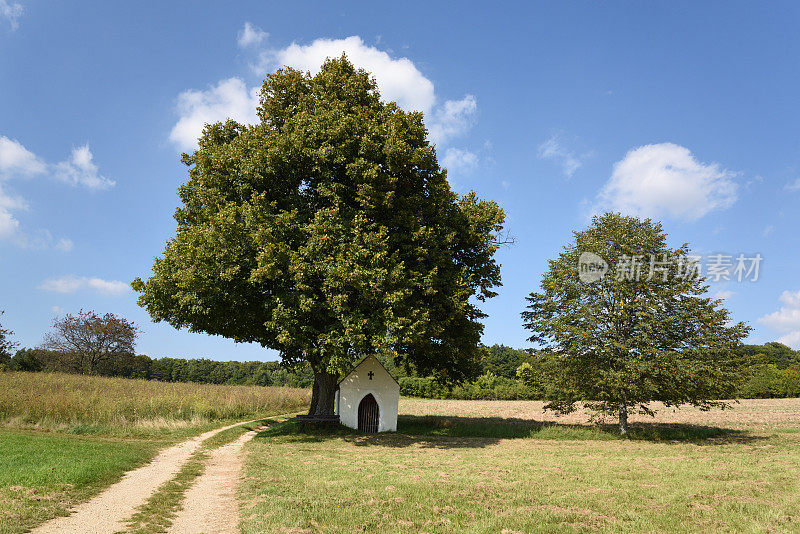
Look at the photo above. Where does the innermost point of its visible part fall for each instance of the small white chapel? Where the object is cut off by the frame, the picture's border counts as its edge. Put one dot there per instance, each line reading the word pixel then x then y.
pixel 367 398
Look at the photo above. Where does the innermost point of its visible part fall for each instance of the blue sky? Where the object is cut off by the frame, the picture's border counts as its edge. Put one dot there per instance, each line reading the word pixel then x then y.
pixel 685 111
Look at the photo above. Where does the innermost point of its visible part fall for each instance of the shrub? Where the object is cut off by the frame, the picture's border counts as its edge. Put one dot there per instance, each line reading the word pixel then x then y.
pixel 768 381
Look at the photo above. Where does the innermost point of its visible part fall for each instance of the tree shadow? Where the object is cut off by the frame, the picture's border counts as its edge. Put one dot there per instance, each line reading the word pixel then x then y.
pixel 454 432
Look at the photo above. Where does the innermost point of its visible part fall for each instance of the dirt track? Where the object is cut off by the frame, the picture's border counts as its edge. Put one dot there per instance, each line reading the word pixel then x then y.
pixel 210 505
pixel 108 511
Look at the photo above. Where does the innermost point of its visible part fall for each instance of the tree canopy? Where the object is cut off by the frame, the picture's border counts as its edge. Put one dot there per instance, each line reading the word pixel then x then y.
pixel 88 339
pixel 6 345
pixel 639 329
pixel 327 231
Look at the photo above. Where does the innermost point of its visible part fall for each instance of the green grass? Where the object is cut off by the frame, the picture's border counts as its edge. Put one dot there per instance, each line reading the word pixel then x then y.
pixel 462 474
pixel 43 474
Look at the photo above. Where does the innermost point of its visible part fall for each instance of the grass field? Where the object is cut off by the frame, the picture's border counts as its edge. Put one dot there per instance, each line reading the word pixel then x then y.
pixel 495 466
pixel 87 404
pixel 65 437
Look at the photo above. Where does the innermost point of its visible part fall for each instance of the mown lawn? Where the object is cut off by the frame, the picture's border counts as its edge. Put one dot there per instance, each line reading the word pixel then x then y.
pixel 492 474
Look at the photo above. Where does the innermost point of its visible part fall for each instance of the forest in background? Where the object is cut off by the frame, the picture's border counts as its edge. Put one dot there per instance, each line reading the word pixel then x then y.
pixel 771 370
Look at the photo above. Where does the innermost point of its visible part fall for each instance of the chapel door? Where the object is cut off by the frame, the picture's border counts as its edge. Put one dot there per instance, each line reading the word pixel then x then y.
pixel 368 414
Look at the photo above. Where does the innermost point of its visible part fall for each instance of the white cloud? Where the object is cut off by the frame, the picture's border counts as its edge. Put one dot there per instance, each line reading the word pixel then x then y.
pixel 229 99
pixel 553 150
pixel 666 180
pixel 723 294
pixel 790 299
pixel 398 80
pixel 456 159
pixel 8 224
pixel 786 320
pixel 80 170
pixel 16 161
pixel 251 36
pixel 792 339
pixel 41 240
pixel 9 203
pixel 64 245
pixel 793 186
pixel 58 310
pixel 11 11
pixel 71 284
pixel 768 230
pixel 454 118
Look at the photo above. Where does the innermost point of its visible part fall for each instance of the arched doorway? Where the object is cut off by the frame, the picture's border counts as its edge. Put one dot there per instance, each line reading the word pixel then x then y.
pixel 368 414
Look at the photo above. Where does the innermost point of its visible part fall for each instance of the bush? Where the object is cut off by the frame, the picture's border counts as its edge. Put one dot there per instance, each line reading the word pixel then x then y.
pixel 486 387
pixel 768 381
pixel 428 388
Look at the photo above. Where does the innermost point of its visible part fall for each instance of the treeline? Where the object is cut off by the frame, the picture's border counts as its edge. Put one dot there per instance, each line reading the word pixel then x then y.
pixel 767 371
pixel 199 370
pixel 771 370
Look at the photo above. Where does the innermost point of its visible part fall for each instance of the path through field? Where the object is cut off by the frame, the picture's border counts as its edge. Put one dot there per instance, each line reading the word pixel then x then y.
pixel 108 511
pixel 210 505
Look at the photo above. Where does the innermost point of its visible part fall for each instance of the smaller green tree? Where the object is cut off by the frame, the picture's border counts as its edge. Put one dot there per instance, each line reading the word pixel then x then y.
pixel 26 359
pixel 503 360
pixel 642 333
pixel 88 339
pixel 6 345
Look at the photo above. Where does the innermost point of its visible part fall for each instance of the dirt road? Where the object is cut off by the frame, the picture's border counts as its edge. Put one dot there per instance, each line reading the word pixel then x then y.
pixel 210 505
pixel 108 511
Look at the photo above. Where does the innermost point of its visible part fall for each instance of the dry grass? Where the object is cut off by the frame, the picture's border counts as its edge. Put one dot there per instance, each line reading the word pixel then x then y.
pixel 732 471
pixel 97 404
pixel 747 413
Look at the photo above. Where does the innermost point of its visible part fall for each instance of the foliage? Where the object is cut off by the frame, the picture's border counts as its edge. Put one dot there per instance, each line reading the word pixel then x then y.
pixel 6 345
pixel 328 231
pixel 767 380
pixel 27 360
pixel 774 353
pixel 540 374
pixel 199 370
pixel 89 339
pixel 502 360
pixel 624 341
pixel 487 386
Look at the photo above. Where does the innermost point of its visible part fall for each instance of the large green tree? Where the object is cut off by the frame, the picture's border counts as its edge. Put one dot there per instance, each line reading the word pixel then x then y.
pixel 328 231
pixel 638 329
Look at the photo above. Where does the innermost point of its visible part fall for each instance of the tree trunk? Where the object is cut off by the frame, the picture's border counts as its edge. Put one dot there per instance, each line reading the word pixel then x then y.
pixel 325 392
pixel 623 416
pixel 314 397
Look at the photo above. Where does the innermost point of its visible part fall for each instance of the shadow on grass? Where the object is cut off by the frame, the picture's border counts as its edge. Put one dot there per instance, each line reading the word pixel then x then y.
pixel 449 432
